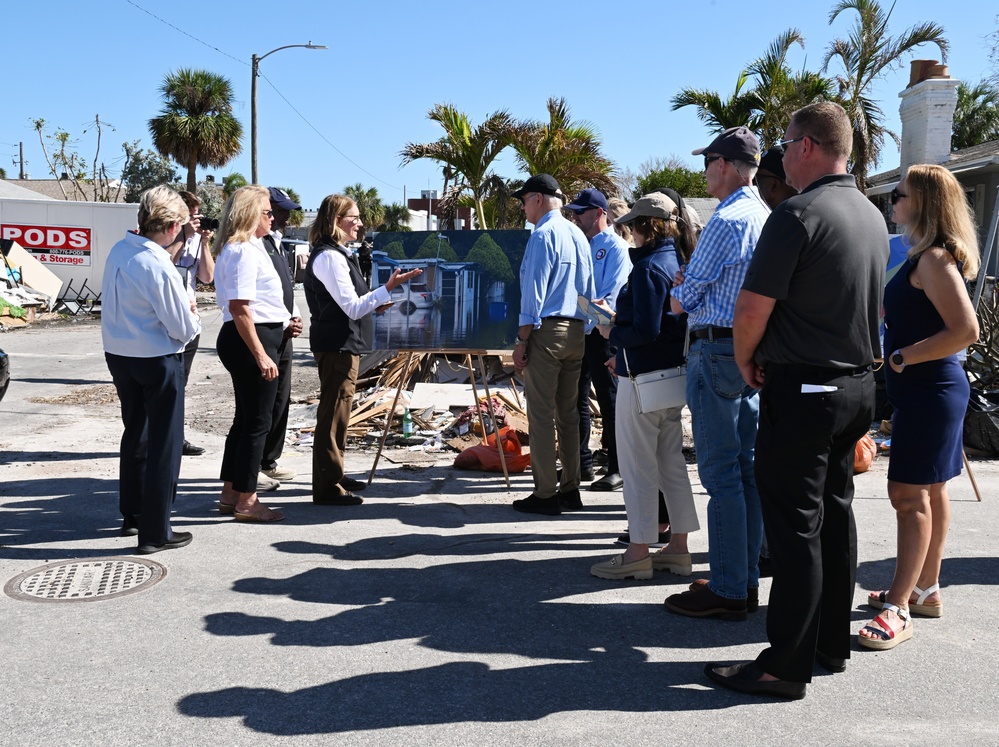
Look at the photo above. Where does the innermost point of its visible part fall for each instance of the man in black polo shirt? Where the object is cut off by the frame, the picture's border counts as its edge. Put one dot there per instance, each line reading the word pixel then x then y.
pixel 806 333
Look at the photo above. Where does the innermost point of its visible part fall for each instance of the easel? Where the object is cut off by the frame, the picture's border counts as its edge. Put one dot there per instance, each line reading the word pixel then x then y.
pixel 404 380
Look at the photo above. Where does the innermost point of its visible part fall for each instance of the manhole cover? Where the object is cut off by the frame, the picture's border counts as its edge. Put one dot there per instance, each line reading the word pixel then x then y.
pixel 85 580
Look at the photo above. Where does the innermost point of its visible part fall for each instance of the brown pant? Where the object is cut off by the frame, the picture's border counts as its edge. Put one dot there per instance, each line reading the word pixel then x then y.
pixel 554 358
pixel 337 380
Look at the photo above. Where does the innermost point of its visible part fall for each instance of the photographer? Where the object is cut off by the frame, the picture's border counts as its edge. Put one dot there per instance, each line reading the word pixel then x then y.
pixel 191 256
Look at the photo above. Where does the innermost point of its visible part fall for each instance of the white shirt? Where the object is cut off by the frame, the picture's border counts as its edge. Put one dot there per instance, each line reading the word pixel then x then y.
pixel 331 269
pixel 145 311
pixel 244 272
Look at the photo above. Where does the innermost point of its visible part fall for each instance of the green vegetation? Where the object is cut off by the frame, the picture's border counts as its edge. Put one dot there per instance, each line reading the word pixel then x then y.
pixel 492 261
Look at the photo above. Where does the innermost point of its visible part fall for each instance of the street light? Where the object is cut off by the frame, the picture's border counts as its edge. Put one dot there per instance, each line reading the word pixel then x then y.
pixel 254 65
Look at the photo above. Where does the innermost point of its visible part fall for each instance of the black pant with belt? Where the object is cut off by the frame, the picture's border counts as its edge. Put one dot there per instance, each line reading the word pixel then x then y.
pixel 244 446
pixel 598 350
pixel 810 421
pixel 151 391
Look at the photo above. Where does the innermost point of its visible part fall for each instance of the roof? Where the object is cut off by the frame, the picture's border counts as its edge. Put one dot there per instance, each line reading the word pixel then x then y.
pixel 965 159
pixel 703 206
pixel 53 189
pixel 12 191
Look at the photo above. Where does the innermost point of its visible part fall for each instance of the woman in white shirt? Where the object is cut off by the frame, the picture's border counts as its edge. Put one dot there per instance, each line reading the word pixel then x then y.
pixel 146 320
pixel 249 292
pixel 341 303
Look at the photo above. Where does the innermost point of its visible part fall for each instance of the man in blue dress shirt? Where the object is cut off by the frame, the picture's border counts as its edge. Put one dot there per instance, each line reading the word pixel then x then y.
pixel 611 266
pixel 556 270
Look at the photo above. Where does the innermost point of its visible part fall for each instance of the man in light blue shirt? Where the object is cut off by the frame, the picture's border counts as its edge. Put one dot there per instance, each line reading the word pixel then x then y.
pixel 611 267
pixel 724 409
pixel 555 271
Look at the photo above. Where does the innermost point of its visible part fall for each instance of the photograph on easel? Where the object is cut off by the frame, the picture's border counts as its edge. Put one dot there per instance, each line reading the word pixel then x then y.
pixel 468 297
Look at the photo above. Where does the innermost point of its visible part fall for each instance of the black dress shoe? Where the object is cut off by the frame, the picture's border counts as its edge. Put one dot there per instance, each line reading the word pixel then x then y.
pixel 700 601
pixel 179 539
pixel 830 663
pixel 752 595
pixel 192 450
pixel 351 485
pixel 534 505
pixel 585 474
pixel 130 526
pixel 745 678
pixel 344 499
pixel 570 500
pixel 607 483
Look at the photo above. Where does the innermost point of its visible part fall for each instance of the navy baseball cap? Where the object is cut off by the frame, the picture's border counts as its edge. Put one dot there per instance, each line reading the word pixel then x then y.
pixel 281 199
pixel 588 198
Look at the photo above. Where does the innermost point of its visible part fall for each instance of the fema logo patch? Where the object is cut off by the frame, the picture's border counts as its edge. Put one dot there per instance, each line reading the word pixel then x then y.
pixel 601 253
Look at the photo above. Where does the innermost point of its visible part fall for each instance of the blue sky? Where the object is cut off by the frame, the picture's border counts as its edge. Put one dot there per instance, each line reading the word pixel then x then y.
pixel 617 64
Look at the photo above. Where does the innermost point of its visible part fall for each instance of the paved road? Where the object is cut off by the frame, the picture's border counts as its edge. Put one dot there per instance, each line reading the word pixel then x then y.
pixel 431 615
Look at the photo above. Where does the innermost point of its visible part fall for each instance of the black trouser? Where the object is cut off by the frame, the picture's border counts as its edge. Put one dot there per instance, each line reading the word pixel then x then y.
pixel 594 369
pixel 274 443
pixel 244 446
pixel 189 352
pixel 152 411
pixel 804 472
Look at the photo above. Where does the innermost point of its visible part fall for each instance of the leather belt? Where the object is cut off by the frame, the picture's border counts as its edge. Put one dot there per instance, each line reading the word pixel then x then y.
pixel 563 319
pixel 800 369
pixel 710 333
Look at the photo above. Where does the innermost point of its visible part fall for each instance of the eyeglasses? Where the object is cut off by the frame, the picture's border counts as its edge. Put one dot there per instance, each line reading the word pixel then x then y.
pixel 895 196
pixel 351 217
pixel 580 211
pixel 269 213
pixel 523 198
pixel 708 160
pixel 782 144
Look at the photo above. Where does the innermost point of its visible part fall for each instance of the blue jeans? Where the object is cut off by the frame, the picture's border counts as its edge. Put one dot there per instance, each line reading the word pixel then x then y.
pixel 724 413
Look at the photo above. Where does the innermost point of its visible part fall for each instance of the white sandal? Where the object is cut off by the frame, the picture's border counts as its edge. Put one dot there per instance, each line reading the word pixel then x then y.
pixel 886 637
pixel 876 599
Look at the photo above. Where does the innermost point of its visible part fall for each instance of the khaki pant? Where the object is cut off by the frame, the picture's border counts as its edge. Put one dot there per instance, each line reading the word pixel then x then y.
pixel 337 380
pixel 554 358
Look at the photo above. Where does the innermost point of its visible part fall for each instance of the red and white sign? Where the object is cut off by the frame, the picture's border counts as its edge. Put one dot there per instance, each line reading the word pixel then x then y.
pixel 54 245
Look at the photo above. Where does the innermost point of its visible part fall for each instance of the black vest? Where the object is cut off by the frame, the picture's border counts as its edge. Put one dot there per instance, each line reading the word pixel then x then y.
pixel 280 260
pixel 331 330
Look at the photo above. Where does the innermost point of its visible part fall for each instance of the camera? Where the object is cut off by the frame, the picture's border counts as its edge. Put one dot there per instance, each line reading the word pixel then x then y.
pixel 209 224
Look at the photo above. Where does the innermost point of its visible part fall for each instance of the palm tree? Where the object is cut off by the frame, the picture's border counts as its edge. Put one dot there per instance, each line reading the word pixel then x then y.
pixel 976 119
pixel 369 207
pixel 569 151
pixel 466 153
pixel 867 54
pixel 765 108
pixel 231 183
pixel 719 114
pixel 396 218
pixel 196 126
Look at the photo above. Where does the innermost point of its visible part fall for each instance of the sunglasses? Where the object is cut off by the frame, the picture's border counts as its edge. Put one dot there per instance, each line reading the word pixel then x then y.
pixel 708 160
pixel 269 213
pixel 895 196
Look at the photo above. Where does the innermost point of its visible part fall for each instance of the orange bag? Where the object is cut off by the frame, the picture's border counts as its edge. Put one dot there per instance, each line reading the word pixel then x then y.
pixel 486 456
pixel 864 454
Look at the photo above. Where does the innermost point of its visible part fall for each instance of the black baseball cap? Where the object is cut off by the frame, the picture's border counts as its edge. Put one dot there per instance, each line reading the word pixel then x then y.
pixel 542 183
pixel 735 144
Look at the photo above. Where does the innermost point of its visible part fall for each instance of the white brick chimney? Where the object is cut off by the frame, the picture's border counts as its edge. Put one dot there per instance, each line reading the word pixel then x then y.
pixel 927 113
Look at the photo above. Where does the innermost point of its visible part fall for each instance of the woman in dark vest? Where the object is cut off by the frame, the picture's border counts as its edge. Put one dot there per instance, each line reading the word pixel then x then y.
pixel 340 303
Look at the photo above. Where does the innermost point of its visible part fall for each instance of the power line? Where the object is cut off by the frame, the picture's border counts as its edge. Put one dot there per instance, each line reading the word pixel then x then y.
pixel 323 137
pixel 283 97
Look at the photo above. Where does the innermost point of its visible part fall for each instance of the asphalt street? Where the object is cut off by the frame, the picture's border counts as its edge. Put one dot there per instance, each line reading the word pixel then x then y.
pixel 433 614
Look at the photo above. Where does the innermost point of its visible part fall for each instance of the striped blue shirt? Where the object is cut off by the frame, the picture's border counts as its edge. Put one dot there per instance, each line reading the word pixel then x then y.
pixel 556 270
pixel 719 264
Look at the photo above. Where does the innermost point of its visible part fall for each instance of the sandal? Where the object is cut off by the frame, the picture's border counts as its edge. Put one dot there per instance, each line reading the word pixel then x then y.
pixel 885 636
pixel 921 607
pixel 227 508
pixel 260 514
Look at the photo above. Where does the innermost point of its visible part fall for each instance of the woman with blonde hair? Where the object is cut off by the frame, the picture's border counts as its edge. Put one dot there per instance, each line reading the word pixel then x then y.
pixel 616 207
pixel 341 304
pixel 250 294
pixel 929 319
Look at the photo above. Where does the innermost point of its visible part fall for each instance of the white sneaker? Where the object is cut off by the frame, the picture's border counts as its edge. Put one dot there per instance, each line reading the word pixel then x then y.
pixel 279 473
pixel 267 483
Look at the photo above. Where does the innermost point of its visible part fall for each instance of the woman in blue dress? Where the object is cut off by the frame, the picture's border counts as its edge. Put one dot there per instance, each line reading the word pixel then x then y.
pixel 929 319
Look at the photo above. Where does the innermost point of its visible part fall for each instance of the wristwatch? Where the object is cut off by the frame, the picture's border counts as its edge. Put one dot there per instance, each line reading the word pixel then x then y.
pixel 520 341
pixel 898 360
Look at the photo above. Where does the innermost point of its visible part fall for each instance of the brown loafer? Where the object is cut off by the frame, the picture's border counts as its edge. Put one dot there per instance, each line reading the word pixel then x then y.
pixel 702 602
pixel 752 595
